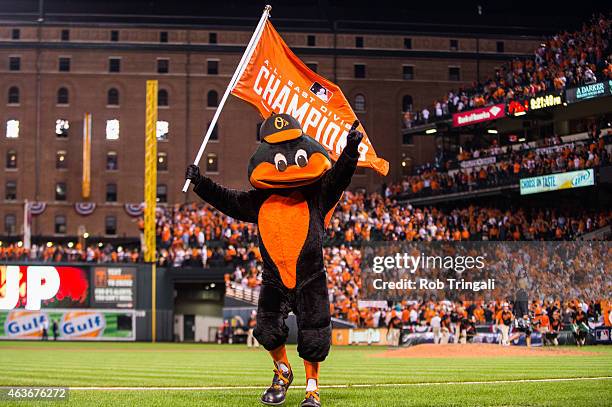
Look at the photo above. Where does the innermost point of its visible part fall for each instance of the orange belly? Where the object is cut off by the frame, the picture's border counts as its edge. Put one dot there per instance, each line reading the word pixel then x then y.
pixel 283 226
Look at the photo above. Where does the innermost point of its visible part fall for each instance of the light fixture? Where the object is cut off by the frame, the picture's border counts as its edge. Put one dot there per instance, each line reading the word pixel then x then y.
pixel 521 139
pixel 85 235
pixel 431 131
pixel 520 113
pixel 19 243
pixel 70 245
pixel 492 131
pixel 49 244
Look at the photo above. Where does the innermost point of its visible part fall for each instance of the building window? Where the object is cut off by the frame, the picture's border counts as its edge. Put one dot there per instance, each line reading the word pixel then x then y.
pixel 112 129
pixel 360 71
pixel 212 98
pixel 13 95
pixel 358 42
pixel 64 64
pixel 212 38
pixel 65 35
pixel 12 128
pixel 60 160
pixel 162 130
pixel 360 103
pixel 500 46
pixel 408 72
pixel 214 135
pixel 162 193
pixel 111 192
pixel 60 224
pixel 11 159
pixel 61 128
pixel 114 65
pixel 60 191
pixel 15 34
pixel 162 97
pixel 212 163
pixel 163 36
pixel 407 162
pixel 62 96
pixel 212 67
pixel 110 225
pixel 112 97
pixel 454 73
pixel 10 191
pixel 163 65
pixel 311 40
pixel 313 66
pixel 408 43
pixel 162 162
pixel 114 35
pixel 112 161
pixel 10 224
pixel 454 45
pixel 14 63
pixel 406 103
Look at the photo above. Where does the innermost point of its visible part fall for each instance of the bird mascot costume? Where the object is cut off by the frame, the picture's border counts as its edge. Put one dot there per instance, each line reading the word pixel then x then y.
pixel 296 189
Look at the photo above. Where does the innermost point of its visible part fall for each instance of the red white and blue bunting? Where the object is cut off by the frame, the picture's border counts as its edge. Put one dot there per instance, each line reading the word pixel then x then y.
pixel 84 208
pixel 134 209
pixel 37 208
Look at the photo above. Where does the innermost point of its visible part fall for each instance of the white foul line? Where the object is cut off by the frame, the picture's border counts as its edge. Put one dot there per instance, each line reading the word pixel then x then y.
pixel 341 386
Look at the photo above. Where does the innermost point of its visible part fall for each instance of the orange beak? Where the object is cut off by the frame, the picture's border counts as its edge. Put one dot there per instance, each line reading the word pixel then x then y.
pixel 266 176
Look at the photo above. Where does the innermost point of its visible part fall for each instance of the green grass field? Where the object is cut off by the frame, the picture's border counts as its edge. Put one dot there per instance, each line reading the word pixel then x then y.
pixel 136 365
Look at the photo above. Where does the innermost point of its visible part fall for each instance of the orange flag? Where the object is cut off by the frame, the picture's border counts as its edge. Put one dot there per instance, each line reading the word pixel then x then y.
pixel 277 81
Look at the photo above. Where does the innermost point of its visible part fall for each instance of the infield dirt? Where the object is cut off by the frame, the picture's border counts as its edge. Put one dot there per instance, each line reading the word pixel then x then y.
pixel 477 350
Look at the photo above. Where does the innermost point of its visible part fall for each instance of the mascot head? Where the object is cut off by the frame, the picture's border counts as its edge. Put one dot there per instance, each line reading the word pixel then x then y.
pixel 287 157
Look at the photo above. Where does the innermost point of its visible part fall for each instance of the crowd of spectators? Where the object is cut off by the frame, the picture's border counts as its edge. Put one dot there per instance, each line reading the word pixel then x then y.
pixel 564 60
pixel 196 234
pixel 508 168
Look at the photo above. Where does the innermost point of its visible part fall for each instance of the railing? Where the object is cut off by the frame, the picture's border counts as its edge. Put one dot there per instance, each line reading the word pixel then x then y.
pixel 242 293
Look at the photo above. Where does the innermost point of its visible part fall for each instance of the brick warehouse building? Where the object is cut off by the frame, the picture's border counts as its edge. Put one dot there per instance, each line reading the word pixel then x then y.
pixel 53 71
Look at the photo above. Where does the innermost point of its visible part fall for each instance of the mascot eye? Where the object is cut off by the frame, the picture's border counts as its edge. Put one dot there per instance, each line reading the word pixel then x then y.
pixel 301 158
pixel 280 162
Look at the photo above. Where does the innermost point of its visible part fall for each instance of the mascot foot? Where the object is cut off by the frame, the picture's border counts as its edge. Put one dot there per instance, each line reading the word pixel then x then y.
pixel 276 393
pixel 312 399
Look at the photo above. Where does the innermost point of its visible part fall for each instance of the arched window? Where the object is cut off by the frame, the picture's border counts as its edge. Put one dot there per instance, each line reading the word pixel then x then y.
pixel 112 98
pixel 62 96
pixel 13 95
pixel 360 103
pixel 162 97
pixel 212 99
pixel 407 103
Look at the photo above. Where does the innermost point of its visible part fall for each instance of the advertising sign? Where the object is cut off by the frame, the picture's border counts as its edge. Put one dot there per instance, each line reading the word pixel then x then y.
pixel 478 162
pixel 554 182
pixel 480 115
pixel 72 324
pixel 33 287
pixel 590 91
pixel 114 287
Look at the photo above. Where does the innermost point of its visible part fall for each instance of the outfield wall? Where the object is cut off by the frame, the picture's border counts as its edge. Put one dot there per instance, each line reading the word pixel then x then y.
pixel 98 301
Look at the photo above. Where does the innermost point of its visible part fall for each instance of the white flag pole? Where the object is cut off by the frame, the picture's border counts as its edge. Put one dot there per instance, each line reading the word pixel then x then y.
pixel 246 57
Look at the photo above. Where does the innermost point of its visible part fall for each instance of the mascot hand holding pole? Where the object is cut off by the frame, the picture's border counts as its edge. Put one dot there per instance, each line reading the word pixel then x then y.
pixel 295 191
